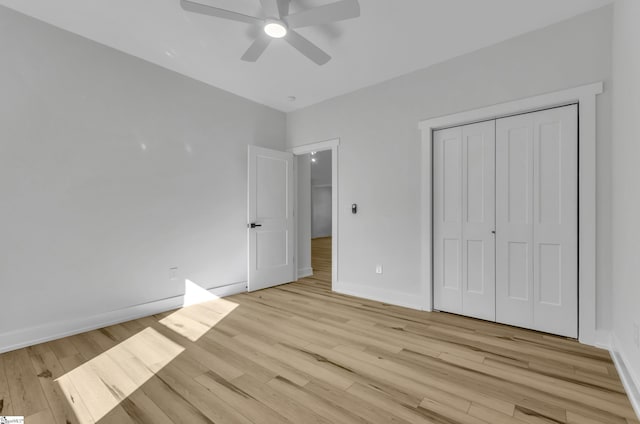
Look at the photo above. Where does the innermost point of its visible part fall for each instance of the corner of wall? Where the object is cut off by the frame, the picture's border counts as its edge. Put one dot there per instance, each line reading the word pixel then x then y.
pixel 305 272
pixel 602 339
pixel 630 378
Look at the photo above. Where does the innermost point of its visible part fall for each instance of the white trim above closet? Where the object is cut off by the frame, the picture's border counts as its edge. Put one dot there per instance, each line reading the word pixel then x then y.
pixel 585 97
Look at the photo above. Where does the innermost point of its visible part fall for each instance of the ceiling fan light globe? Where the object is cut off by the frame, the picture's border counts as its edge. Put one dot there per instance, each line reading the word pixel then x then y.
pixel 275 29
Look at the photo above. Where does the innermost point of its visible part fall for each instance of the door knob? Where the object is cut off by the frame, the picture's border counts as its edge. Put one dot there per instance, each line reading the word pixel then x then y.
pixel 254 225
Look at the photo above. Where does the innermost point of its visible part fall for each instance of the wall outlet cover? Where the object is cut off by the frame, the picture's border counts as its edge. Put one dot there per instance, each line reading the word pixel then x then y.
pixel 173 273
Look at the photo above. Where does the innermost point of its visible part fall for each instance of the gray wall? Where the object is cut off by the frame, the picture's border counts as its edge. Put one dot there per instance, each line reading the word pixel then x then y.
pixel 321 168
pixel 112 171
pixel 321 211
pixel 626 183
pixel 380 144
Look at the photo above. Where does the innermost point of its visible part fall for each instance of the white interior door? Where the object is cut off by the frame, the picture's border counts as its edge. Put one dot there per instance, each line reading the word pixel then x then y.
pixel 464 220
pixel 270 214
pixel 514 221
pixel 447 220
pixel 536 221
pixel 478 220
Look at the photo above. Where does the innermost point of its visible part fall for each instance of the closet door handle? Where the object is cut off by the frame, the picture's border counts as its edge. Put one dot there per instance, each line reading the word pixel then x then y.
pixel 254 225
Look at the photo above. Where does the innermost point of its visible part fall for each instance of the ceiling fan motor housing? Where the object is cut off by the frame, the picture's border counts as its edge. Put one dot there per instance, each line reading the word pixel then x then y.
pixel 275 28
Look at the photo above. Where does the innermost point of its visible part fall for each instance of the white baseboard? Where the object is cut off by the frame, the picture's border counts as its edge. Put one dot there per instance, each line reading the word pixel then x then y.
pixel 229 290
pixel 305 272
pixel 380 295
pixel 630 379
pixel 56 330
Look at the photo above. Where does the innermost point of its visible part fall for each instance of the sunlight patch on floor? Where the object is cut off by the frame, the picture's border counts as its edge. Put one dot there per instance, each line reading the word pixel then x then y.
pixel 201 313
pixel 96 387
pixel 194 294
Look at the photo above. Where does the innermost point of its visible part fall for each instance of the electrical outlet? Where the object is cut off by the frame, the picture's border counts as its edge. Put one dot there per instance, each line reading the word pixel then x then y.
pixel 636 335
pixel 378 269
pixel 173 273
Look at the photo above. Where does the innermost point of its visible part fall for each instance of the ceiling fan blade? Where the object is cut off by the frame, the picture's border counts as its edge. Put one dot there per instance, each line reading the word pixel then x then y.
pixel 333 12
pixel 191 6
pixel 256 49
pixel 270 8
pixel 307 48
pixel 283 7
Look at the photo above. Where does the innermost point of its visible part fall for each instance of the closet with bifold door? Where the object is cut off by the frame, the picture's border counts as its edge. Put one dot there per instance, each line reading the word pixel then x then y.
pixel 505 220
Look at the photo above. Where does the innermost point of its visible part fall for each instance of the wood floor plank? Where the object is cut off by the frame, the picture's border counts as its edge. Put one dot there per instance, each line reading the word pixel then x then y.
pixel 301 353
pixel 240 400
pixel 603 399
pixel 116 416
pixel 74 400
pixel 448 380
pixel 25 390
pixel 411 414
pixel 313 403
pixel 278 401
pixel 172 403
pixel 199 396
pixel 42 417
pixel 141 409
pixel 410 381
pixel 62 348
pixel 251 361
pixel 310 368
pixel 371 413
pixel 6 407
pixel 48 369
pixel 491 415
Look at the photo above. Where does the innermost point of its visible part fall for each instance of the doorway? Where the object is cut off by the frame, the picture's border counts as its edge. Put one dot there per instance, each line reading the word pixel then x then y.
pixel 317 211
pixel 321 216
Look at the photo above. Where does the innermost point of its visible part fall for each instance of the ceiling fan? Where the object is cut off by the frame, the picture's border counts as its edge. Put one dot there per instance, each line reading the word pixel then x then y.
pixel 280 24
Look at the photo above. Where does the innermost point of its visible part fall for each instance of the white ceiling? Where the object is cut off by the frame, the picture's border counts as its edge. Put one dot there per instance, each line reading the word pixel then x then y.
pixel 391 38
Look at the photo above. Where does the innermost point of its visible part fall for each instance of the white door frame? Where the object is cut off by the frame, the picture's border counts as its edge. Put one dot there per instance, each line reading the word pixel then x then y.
pixel 585 97
pixel 317 147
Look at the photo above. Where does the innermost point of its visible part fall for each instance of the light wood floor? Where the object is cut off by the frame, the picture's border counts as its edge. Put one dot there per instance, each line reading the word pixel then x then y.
pixel 301 354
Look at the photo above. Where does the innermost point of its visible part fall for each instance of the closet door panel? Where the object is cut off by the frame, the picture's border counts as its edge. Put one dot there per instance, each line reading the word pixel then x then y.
pixel 536 221
pixel 514 220
pixel 555 221
pixel 478 206
pixel 447 220
pixel 464 219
